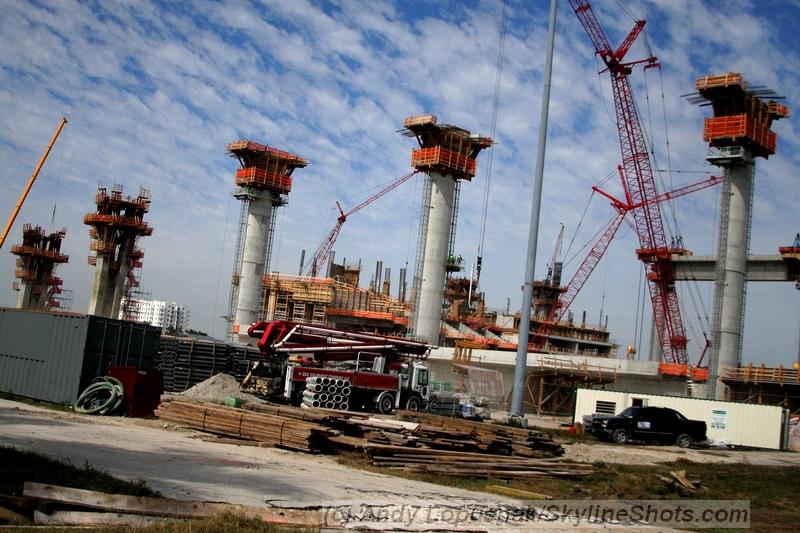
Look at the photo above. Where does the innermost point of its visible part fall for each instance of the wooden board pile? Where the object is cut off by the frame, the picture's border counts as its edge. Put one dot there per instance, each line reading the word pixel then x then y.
pixel 416 442
pixel 268 428
pixel 483 437
pixel 474 465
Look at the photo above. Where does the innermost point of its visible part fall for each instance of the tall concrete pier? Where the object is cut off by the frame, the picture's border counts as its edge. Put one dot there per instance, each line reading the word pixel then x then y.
pixel 447 154
pixel 264 181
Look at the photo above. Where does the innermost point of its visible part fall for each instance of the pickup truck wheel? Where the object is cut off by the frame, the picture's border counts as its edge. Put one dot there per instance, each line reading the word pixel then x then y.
pixel 620 436
pixel 413 403
pixel 683 440
pixel 385 403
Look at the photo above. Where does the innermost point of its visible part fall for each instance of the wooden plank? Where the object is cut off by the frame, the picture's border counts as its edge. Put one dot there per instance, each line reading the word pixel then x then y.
pixel 88 518
pixel 517 493
pixel 167 507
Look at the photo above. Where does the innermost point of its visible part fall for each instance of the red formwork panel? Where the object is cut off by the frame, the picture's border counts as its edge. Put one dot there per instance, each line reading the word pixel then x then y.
pixel 723 131
pixel 437 157
pixel 143 389
pixel 261 179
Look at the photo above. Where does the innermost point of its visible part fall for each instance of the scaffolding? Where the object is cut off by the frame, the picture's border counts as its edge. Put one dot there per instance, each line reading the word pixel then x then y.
pixel 444 148
pixel 326 301
pixel 764 385
pixel 551 387
pixel 264 176
pixel 37 259
pixel 115 230
pixel 742 116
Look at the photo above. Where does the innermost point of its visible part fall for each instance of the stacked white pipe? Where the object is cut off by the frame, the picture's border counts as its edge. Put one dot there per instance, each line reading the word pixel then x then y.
pixel 327 393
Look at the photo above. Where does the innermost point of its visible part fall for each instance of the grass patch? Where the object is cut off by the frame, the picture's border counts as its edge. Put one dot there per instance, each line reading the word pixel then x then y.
pixel 38 403
pixel 773 503
pixel 17 467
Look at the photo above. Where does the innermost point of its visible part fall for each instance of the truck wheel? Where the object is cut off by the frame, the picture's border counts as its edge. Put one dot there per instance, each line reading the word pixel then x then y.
pixel 683 440
pixel 620 436
pixel 413 403
pixel 385 403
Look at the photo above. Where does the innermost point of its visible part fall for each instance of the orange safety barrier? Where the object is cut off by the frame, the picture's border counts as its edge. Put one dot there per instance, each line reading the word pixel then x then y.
pixel 118 220
pixel 260 178
pixel 23 249
pixel 724 80
pixel 778 110
pixel 739 126
pixel 674 369
pixel 436 156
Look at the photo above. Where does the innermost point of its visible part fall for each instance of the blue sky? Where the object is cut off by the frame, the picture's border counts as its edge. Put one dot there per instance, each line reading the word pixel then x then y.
pixel 155 91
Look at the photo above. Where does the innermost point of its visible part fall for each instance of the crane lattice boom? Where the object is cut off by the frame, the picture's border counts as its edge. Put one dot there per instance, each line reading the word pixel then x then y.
pixel 324 250
pixel 641 185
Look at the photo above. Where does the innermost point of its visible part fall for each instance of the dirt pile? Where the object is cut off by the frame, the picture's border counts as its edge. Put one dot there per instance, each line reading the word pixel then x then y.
pixel 216 389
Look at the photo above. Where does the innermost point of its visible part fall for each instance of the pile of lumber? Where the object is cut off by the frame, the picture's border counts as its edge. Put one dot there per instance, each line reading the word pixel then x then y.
pixel 484 437
pixel 55 506
pixel 268 428
pixel 474 465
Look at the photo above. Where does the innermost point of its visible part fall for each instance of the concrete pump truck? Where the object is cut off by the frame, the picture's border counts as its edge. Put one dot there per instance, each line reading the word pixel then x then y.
pixel 378 373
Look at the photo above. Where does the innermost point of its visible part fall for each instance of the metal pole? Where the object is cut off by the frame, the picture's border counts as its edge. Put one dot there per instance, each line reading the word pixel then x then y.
pixel 533 232
pixel 28 186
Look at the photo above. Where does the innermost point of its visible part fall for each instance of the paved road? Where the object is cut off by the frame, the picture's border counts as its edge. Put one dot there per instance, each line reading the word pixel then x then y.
pixel 181 465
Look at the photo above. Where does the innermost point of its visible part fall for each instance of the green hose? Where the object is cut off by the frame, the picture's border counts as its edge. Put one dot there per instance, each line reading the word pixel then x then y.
pixel 102 397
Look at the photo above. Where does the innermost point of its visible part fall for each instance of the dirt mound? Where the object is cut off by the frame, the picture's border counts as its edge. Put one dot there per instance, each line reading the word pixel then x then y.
pixel 217 388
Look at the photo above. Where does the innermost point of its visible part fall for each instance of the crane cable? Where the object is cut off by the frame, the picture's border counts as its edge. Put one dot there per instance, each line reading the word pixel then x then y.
pixel 493 129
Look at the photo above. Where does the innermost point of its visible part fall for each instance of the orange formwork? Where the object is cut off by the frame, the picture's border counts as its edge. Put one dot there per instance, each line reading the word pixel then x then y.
pixel 723 80
pixel 258 178
pixel 738 129
pixel 264 167
pixel 672 369
pixel 437 158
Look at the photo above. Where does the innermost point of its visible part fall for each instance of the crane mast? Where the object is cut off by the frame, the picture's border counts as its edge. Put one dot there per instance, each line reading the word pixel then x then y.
pixel 641 185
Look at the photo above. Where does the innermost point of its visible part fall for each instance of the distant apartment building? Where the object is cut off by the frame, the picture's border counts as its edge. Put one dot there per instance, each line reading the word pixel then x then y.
pixel 166 315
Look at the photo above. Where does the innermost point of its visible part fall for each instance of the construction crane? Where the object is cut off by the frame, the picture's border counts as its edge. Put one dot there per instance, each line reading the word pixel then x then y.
pixel 554 267
pixel 324 249
pixel 600 246
pixel 28 186
pixel 641 185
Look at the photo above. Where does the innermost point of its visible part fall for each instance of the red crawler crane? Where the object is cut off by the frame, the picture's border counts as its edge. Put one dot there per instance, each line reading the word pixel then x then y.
pixel 642 197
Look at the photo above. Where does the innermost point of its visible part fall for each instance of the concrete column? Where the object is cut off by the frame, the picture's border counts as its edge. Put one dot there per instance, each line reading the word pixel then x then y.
pixel 728 337
pixel 431 292
pixel 259 216
pixel 108 286
pixel 25 298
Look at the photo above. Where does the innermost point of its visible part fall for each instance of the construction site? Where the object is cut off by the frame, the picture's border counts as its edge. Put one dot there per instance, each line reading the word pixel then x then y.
pixel 407 369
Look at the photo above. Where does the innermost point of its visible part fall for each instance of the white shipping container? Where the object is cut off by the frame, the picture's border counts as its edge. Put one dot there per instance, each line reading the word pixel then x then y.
pixel 741 424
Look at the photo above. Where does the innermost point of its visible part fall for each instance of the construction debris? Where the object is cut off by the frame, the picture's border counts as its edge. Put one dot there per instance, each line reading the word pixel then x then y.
pixel 54 505
pixel 417 442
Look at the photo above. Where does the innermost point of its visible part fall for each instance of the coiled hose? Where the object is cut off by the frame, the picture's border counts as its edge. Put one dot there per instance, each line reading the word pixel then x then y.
pixel 102 397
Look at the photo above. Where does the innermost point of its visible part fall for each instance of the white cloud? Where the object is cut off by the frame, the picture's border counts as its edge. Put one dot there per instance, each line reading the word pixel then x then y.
pixel 155 92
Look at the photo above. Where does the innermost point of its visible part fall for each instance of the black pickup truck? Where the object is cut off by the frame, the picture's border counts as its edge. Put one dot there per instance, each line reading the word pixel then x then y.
pixel 661 424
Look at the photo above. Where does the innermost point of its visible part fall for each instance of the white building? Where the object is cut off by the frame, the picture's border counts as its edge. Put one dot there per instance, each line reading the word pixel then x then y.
pixel 166 315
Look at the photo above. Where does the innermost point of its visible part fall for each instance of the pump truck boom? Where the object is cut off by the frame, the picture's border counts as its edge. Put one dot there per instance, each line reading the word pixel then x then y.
pixel 382 373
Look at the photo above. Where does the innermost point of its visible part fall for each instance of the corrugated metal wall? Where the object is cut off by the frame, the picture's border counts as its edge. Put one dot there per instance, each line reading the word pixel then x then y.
pixel 41 354
pixel 53 356
pixel 740 423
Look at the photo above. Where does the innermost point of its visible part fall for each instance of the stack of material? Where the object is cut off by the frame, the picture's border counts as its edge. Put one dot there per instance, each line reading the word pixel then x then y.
pixel 475 465
pixel 489 438
pixel 270 429
pixel 187 361
pixel 327 393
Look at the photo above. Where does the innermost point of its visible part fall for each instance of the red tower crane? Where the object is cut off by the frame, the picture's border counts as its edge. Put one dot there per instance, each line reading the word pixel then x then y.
pixel 324 249
pixel 641 185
